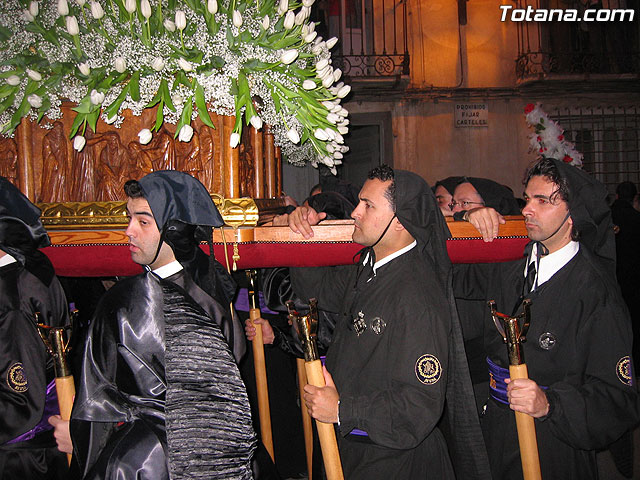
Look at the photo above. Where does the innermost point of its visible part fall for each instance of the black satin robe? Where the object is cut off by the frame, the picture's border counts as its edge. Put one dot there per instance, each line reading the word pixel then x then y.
pixel 160 391
pixel 22 294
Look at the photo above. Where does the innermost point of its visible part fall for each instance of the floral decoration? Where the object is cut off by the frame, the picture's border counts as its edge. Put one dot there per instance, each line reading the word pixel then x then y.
pixel 548 138
pixel 260 60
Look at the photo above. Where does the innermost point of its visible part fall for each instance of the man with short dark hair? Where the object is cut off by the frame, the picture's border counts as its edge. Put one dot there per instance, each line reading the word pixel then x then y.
pixel 581 388
pixel 396 357
pixel 28 285
pixel 160 393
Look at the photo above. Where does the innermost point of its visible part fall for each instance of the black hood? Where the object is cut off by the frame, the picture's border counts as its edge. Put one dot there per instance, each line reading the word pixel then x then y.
pixel 22 232
pixel 449 184
pixel 495 195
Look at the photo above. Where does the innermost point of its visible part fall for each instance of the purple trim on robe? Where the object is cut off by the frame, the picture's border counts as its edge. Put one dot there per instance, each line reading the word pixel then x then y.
pixel 242 302
pixel 50 408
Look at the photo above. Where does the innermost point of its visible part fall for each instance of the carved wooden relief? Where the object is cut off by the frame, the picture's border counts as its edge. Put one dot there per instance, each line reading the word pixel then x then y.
pixel 44 165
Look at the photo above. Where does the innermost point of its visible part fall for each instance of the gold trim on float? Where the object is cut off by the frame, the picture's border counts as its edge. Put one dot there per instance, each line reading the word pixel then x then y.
pixel 236 212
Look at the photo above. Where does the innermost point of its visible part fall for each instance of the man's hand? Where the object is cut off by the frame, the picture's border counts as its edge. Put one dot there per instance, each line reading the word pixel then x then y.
pixel 487 221
pixel 302 218
pixel 322 402
pixel 61 433
pixel 527 397
pixel 267 332
pixel 280 220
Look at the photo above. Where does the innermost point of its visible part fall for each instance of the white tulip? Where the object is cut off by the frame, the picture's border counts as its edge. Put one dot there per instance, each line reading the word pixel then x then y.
pixel 145 8
pixel 130 6
pixel 265 22
pixel 338 138
pixel 308 84
pixel 120 64
pixel 328 104
pixel 34 100
pixel 177 99
pixel 318 41
pixel 343 91
pixel 312 27
pixel 237 18
pixel 185 64
pixel 289 56
pixel 310 36
pixel 333 170
pixel 330 148
pixel 157 64
pixel 343 130
pixel 331 42
pixel 34 8
pixel 317 49
pixel 304 31
pixel 322 64
pixel 13 80
pixel 337 155
pixel 181 20
pixel 293 135
pixel 337 73
pixel 301 16
pixel 63 8
pixel 320 134
pixel 336 108
pixel 256 121
pixel 308 3
pixel 84 69
pixel 186 132
pixel 343 113
pixel 81 2
pixel 27 16
pixel 328 161
pixel 111 120
pixel 97 97
pixel 96 10
pixel 72 25
pixel 326 71
pixel 331 133
pixel 145 136
pixel 327 81
pixel 212 7
pixel 169 25
pixel 78 143
pixel 332 118
pixel 283 7
pixel 34 75
pixel 289 20
pixel 234 140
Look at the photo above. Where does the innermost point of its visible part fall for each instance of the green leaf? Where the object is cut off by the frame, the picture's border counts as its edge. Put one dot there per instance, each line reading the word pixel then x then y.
pixel 7 102
pixel 134 87
pixel 84 106
pixel 159 117
pixel 166 95
pixel 92 119
pixel 5 34
pixel 203 113
pixel 113 109
pixel 255 64
pixel 77 122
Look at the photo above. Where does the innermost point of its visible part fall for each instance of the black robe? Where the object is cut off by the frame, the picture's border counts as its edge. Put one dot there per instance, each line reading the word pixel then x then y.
pixel 25 371
pixel 392 383
pixel 160 390
pixel 578 348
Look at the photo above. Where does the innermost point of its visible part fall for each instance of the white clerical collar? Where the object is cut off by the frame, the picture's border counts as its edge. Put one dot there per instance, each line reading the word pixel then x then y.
pixel 166 270
pixel 393 255
pixel 6 260
pixel 550 264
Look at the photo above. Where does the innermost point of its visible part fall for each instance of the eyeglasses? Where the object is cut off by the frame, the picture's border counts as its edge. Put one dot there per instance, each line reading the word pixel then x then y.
pixel 463 204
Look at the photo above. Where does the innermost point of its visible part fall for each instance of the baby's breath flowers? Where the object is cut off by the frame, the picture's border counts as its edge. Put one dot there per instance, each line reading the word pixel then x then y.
pixel 260 60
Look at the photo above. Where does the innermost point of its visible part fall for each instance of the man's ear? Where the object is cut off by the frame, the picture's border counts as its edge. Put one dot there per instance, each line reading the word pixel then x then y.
pixel 397 226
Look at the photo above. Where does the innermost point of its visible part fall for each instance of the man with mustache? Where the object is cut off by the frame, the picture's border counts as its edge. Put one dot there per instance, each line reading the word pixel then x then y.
pixel 581 388
pixel 396 356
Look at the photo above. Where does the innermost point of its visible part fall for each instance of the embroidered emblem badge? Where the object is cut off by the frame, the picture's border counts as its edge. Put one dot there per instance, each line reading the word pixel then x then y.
pixel 547 341
pixel 17 379
pixel 623 370
pixel 378 325
pixel 359 324
pixel 428 369
pixel 492 381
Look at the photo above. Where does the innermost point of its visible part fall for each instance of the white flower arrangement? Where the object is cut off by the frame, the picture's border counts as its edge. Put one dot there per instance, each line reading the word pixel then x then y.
pixel 255 59
pixel 548 140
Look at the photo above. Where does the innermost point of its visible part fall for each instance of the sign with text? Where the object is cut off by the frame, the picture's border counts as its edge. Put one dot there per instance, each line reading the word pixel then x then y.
pixel 471 115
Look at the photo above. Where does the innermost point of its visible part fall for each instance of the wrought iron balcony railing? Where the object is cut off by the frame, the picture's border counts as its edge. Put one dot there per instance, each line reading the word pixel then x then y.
pixel 578 47
pixel 372 33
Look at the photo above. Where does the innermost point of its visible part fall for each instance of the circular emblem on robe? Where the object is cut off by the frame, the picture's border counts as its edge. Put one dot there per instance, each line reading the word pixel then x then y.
pixel 623 370
pixel 378 325
pixel 547 341
pixel 16 378
pixel 428 369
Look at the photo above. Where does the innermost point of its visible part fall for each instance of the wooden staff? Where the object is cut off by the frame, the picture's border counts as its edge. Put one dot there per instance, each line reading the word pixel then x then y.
pixel 307 327
pixel 259 366
pixel 514 336
pixel 307 428
pixel 53 338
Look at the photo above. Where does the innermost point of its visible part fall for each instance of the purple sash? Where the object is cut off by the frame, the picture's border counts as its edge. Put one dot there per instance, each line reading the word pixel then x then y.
pixel 242 302
pixel 50 408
